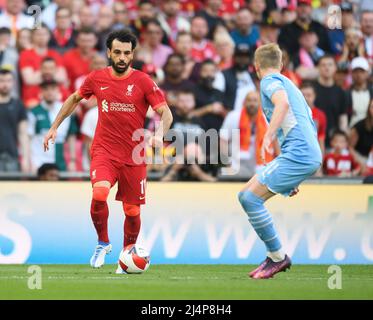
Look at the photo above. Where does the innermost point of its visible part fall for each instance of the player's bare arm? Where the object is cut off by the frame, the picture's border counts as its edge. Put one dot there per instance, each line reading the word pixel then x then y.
pixel 281 103
pixel 67 109
pixel 166 121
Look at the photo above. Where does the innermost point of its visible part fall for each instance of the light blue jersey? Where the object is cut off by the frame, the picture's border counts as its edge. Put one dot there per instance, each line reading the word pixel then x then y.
pixel 300 151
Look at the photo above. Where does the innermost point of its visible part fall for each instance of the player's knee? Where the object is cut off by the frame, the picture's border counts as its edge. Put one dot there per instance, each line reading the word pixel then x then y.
pixel 131 210
pixel 250 202
pixel 100 193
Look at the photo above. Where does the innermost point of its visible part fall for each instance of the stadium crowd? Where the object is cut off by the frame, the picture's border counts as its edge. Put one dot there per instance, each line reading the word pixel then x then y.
pixel 200 53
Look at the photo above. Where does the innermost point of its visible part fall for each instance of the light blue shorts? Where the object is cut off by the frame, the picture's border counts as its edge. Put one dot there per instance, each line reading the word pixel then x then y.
pixel 283 175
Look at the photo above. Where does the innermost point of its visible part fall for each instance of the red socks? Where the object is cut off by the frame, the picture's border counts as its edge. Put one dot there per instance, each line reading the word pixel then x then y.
pixel 132 226
pixel 99 215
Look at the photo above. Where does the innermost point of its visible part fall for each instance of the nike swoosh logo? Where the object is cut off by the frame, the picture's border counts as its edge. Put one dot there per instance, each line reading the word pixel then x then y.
pixel 142 198
pixel 104 88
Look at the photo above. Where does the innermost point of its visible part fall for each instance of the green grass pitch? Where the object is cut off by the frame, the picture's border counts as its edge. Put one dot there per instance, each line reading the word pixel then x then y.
pixel 185 282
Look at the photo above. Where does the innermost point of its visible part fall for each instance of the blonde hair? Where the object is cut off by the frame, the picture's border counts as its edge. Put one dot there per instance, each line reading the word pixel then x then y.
pixel 268 56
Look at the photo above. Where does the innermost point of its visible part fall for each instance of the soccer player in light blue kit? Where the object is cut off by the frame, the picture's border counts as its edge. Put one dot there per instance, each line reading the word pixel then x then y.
pixel 290 122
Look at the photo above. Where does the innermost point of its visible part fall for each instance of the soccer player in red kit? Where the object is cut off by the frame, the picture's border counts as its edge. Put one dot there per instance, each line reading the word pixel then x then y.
pixel 123 97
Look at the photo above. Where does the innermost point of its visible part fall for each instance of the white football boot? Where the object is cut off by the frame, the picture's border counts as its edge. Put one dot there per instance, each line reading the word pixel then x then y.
pixel 120 270
pixel 98 258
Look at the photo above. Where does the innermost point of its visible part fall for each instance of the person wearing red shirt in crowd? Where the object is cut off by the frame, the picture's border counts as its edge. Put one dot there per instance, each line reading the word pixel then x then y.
pixel 30 62
pixel 77 60
pixel 318 115
pixel 340 161
pixel 48 69
pixel 190 7
pixel 123 95
pixel 63 36
pixel 202 48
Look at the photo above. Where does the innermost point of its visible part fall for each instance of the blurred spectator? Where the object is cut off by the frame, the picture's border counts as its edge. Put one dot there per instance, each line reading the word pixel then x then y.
pixel 48 172
pixel 121 18
pixel 308 56
pixel 318 115
pixel 290 34
pixel 30 62
pixel 152 50
pixel 40 119
pixel 336 35
pixel 13 17
pixel 202 47
pixel 330 98
pixel 246 32
pixel 190 7
pixel 353 47
pixel 228 11
pixel 340 161
pixel 362 137
pixel 48 69
pixel 9 58
pixel 367 29
pixel 13 128
pixel 185 124
pixel 191 169
pixel 183 46
pixel 269 32
pixel 321 13
pixel 257 8
pixel 251 122
pixel 77 60
pixel 288 69
pixel 49 13
pixel 171 21
pixel 86 18
pixel 174 82
pixel 211 14
pixel 146 12
pixel 104 25
pixel 237 81
pixel 88 129
pixel 23 41
pixel 209 101
pixel 224 45
pixel 361 91
pixel 63 36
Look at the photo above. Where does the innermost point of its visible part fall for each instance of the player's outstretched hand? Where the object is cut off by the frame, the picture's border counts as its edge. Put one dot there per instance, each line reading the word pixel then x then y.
pixel 51 135
pixel 293 192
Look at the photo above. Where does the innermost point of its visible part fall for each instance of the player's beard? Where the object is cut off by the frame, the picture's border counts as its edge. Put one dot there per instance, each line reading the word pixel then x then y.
pixel 119 68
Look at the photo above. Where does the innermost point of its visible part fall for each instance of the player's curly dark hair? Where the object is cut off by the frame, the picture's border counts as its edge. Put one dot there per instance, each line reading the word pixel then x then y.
pixel 123 35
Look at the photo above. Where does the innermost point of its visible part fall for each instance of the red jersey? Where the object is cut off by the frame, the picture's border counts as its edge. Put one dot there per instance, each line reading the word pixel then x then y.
pixel 319 118
pixel 122 104
pixel 334 163
pixel 204 50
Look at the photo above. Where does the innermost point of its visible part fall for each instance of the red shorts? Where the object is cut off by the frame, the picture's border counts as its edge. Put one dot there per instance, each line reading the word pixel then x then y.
pixel 131 179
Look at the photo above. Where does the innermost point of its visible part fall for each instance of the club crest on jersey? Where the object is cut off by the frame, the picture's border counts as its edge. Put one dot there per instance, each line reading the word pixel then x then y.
pixel 105 106
pixel 129 90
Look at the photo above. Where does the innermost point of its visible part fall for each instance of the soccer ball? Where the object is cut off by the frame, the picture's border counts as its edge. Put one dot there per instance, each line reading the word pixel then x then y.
pixel 134 259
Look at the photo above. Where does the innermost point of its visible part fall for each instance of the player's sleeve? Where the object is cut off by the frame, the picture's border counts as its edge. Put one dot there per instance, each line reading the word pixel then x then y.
pixel 270 86
pixel 86 89
pixel 153 94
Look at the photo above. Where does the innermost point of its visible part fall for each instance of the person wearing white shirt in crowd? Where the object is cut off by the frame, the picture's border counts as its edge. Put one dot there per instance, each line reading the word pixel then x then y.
pixel 13 18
